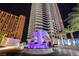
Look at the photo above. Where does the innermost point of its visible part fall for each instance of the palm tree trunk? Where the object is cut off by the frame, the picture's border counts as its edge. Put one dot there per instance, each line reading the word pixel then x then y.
pixel 62 40
pixel 72 36
pixel 65 36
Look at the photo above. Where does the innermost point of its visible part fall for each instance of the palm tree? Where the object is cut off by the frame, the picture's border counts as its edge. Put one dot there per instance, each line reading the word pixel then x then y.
pixel 1 36
pixel 73 20
pixel 72 28
pixel 74 14
pixel 60 34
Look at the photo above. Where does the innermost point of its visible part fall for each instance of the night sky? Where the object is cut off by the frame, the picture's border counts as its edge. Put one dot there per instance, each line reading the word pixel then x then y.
pixel 24 9
pixel 65 8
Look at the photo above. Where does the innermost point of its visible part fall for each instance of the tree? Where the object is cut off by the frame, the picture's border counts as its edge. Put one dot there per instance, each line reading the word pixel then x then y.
pixel 73 14
pixel 60 34
pixel 1 36
pixel 72 28
pixel 73 20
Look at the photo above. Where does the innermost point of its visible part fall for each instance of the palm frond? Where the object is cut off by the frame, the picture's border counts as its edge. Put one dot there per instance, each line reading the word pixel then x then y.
pixel 73 13
pixel 73 20
pixel 76 8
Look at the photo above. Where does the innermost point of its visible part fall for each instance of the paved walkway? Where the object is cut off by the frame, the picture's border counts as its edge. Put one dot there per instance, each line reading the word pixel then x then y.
pixel 59 51
pixel 68 50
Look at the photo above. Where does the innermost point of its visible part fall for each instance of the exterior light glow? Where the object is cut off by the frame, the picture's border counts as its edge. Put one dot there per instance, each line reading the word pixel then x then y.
pixel 40 36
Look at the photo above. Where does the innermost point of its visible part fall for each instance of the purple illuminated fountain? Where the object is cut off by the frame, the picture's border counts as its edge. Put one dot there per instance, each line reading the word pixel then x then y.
pixel 39 43
pixel 40 39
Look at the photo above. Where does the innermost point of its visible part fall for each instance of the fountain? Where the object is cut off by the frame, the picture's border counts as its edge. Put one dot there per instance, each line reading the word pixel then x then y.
pixel 39 43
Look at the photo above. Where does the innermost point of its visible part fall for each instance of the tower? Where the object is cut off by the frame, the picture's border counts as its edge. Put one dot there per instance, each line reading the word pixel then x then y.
pixel 12 25
pixel 45 16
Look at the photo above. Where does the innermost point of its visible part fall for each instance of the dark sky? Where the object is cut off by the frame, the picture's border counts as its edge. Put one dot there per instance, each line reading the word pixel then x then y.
pixel 65 8
pixel 24 9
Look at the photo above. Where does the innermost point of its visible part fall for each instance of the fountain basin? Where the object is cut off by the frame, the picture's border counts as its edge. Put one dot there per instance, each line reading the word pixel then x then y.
pixel 39 43
pixel 38 51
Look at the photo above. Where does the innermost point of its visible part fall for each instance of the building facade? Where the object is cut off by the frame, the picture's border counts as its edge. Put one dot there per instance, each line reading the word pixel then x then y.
pixel 45 16
pixel 11 25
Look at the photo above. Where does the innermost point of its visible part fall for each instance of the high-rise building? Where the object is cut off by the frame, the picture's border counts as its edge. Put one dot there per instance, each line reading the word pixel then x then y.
pixel 45 16
pixel 11 25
